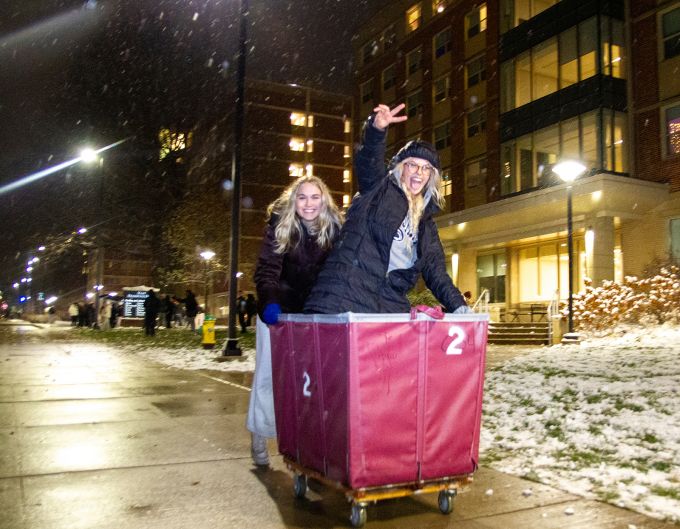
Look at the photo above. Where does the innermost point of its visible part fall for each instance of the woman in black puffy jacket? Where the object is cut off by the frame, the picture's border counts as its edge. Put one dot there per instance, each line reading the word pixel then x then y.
pixel 390 237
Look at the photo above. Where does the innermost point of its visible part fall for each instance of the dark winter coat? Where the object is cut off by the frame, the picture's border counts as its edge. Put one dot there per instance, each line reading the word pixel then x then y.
pixel 355 277
pixel 190 304
pixel 287 278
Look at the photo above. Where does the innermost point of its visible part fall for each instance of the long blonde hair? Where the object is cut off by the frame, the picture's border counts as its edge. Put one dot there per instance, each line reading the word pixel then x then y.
pixel 289 228
pixel 416 203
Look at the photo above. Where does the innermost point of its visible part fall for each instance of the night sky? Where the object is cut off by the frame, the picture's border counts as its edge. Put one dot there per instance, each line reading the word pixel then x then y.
pixel 75 72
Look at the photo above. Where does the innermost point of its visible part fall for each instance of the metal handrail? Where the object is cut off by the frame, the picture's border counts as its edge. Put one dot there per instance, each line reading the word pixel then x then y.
pixel 553 310
pixel 482 302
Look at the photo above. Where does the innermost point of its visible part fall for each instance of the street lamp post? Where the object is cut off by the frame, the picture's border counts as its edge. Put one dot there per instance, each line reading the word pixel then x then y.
pixel 568 171
pixel 231 348
pixel 207 255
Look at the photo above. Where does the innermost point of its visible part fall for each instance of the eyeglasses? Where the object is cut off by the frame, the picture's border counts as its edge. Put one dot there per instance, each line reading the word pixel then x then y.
pixel 425 170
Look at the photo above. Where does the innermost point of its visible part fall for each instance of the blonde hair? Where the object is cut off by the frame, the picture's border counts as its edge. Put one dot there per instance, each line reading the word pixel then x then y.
pixel 289 230
pixel 416 203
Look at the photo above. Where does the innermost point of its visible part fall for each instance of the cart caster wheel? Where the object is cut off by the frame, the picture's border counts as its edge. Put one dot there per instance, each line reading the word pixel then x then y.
pixel 358 516
pixel 300 485
pixel 446 501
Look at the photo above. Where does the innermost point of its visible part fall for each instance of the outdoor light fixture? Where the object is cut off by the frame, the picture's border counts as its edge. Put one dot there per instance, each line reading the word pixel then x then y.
pixel 568 171
pixel 82 230
pixel 88 155
pixel 51 300
pixel 207 255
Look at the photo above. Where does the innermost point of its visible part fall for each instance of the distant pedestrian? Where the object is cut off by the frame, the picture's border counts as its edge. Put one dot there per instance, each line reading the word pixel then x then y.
pixel 151 308
pixel 251 309
pixel 191 308
pixel 115 312
pixel 82 315
pixel 242 309
pixel 73 313
pixel 90 315
pixel 169 310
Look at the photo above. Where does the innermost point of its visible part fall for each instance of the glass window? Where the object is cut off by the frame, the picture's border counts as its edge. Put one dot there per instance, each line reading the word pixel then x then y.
pixel 670 24
pixel 476 121
pixel 522 79
pixel 568 58
pixel 297 144
pixel 675 240
pixel 475 71
pixel 525 162
pixel 516 12
pixel 389 77
pixel 672 117
pixel 507 86
pixel 546 150
pixel 296 169
pixel 491 270
pixel 346 176
pixel 447 185
pixel 440 89
pixel 475 173
pixel 507 165
pixel 348 126
pixel 587 41
pixel 413 61
pixel 442 43
pixel 442 136
pixel 366 90
pixel 297 119
pixel 544 68
pixel 414 104
pixel 475 21
pixel 589 140
pixel 413 18
pixel 528 274
pixel 612 47
pixel 389 37
pixel 571 147
pixel 438 6
pixel 346 151
pixel 369 51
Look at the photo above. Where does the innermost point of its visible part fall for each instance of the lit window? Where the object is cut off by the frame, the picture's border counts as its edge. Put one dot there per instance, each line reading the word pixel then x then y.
pixel 309 169
pixel 438 6
pixel 297 144
pixel 440 89
pixel 296 169
pixel 413 18
pixel 413 61
pixel 476 121
pixel 346 153
pixel 414 104
pixel 442 43
pixel 612 47
pixel 447 184
pixel 310 121
pixel 389 37
pixel 442 136
pixel 310 145
pixel 670 25
pixel 389 77
pixel 346 177
pixel 297 119
pixel 475 71
pixel 348 126
pixel 366 90
pixel 345 201
pixel 673 129
pixel 475 21
pixel 172 142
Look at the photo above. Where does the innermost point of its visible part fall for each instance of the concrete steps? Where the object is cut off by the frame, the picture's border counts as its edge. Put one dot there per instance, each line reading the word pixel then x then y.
pixel 525 333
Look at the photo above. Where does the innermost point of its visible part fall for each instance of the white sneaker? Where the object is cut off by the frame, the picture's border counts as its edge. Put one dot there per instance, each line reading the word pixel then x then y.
pixel 258 450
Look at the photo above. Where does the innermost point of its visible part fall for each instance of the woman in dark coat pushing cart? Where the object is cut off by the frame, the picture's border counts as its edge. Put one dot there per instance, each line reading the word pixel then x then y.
pixel 304 222
pixel 390 237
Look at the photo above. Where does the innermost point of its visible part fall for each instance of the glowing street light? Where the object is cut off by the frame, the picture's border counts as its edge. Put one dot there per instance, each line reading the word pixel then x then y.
pixel 88 155
pixel 568 171
pixel 206 255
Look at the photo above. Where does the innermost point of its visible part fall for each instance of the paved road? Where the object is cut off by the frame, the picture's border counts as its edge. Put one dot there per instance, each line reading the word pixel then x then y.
pixel 91 438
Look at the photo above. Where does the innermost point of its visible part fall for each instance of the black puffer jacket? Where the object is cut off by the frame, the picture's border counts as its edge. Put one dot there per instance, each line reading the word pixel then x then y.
pixel 287 278
pixel 355 278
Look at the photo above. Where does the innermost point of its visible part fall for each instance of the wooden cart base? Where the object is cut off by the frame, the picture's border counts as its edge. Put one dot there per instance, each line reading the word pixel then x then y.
pixel 360 498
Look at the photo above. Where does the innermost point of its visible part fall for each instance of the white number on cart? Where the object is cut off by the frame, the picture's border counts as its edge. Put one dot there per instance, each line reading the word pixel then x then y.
pixel 305 386
pixel 459 334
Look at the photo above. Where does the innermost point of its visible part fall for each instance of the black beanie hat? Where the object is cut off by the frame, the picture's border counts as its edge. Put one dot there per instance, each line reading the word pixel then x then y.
pixel 417 149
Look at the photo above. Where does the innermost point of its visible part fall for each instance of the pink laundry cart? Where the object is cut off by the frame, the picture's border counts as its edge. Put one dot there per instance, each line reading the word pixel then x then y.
pixel 380 405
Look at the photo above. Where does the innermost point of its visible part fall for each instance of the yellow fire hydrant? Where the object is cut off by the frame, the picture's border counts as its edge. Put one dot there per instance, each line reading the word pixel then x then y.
pixel 208 332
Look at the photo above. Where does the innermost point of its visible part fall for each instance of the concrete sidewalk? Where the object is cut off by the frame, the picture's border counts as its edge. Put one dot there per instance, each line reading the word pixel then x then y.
pixel 93 438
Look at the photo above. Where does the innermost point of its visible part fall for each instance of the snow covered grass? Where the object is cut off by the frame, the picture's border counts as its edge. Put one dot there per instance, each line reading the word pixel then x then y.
pixel 601 419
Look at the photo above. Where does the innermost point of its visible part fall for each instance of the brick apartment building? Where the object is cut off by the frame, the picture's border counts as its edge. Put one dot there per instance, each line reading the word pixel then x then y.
pixel 505 90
